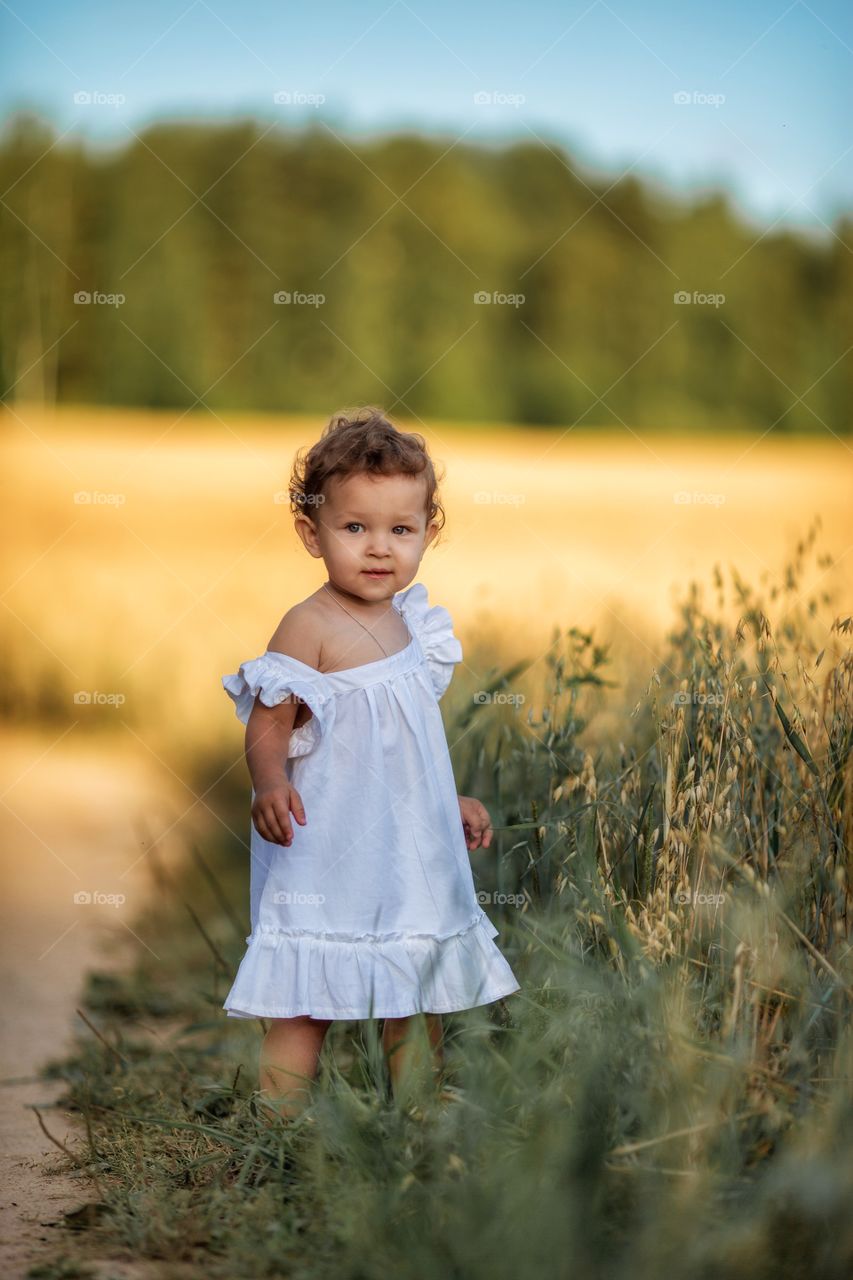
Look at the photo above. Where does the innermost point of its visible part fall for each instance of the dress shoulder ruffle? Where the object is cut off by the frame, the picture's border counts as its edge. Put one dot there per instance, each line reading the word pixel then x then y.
pixel 275 677
pixel 433 627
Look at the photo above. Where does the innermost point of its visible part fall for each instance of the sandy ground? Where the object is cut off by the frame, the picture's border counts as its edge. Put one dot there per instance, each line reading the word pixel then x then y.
pixel 70 826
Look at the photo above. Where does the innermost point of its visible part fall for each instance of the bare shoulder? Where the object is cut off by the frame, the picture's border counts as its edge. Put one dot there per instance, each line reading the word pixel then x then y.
pixel 299 633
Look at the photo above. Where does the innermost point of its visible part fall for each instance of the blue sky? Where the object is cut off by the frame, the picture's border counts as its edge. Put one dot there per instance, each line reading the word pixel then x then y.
pixel 765 109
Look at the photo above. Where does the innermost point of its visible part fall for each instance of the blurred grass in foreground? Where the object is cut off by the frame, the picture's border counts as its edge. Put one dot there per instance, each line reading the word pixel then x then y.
pixel 669 1094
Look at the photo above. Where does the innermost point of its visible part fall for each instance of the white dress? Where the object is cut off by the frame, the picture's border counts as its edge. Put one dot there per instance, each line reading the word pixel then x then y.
pixel 371 912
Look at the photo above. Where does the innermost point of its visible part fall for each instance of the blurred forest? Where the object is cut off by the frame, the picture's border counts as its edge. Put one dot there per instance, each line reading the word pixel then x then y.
pixel 383 246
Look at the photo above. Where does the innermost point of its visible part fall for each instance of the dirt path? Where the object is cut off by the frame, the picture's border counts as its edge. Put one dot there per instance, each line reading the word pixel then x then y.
pixel 70 826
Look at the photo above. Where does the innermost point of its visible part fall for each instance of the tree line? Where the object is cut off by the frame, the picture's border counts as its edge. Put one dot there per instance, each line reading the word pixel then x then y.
pixel 244 266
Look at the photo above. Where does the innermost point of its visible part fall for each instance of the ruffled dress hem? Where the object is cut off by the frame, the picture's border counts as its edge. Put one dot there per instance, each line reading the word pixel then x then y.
pixel 348 976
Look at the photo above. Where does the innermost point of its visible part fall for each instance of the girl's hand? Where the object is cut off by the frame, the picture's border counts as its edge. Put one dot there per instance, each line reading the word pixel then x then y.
pixel 271 810
pixel 476 822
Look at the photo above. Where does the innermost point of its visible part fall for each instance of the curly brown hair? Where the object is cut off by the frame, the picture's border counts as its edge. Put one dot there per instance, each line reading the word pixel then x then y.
pixel 361 441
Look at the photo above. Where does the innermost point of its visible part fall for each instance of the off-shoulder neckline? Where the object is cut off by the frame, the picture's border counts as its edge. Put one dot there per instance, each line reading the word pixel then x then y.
pixel 345 671
pixel 342 671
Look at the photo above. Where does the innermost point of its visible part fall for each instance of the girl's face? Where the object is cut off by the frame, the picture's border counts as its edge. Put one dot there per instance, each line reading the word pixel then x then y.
pixel 371 532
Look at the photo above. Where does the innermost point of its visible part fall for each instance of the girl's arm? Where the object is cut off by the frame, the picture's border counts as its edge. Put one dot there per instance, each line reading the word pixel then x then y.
pixel 267 739
pixel 268 733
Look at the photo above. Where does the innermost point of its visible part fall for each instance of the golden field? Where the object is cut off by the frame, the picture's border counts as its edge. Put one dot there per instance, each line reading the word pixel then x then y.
pixel 182 561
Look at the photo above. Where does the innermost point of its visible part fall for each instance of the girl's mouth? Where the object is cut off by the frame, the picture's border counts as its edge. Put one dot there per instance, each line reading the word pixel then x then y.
pixel 377 573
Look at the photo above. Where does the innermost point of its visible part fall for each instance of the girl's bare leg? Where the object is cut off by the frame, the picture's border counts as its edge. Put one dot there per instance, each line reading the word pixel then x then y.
pixel 413 1049
pixel 288 1061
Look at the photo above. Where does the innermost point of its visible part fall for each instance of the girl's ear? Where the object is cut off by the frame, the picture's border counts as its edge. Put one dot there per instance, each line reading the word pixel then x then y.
pixel 431 531
pixel 307 531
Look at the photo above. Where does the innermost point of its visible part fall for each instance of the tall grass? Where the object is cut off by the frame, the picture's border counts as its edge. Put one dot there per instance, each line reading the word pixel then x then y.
pixel 668 1094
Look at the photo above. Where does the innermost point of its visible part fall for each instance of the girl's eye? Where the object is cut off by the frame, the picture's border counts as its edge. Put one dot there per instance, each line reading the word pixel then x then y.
pixel 356 524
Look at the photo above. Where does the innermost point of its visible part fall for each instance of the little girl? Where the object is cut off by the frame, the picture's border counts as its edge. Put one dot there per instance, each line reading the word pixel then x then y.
pixel 364 905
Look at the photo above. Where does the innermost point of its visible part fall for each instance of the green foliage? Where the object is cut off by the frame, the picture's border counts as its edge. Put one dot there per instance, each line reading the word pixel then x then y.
pixel 199 226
